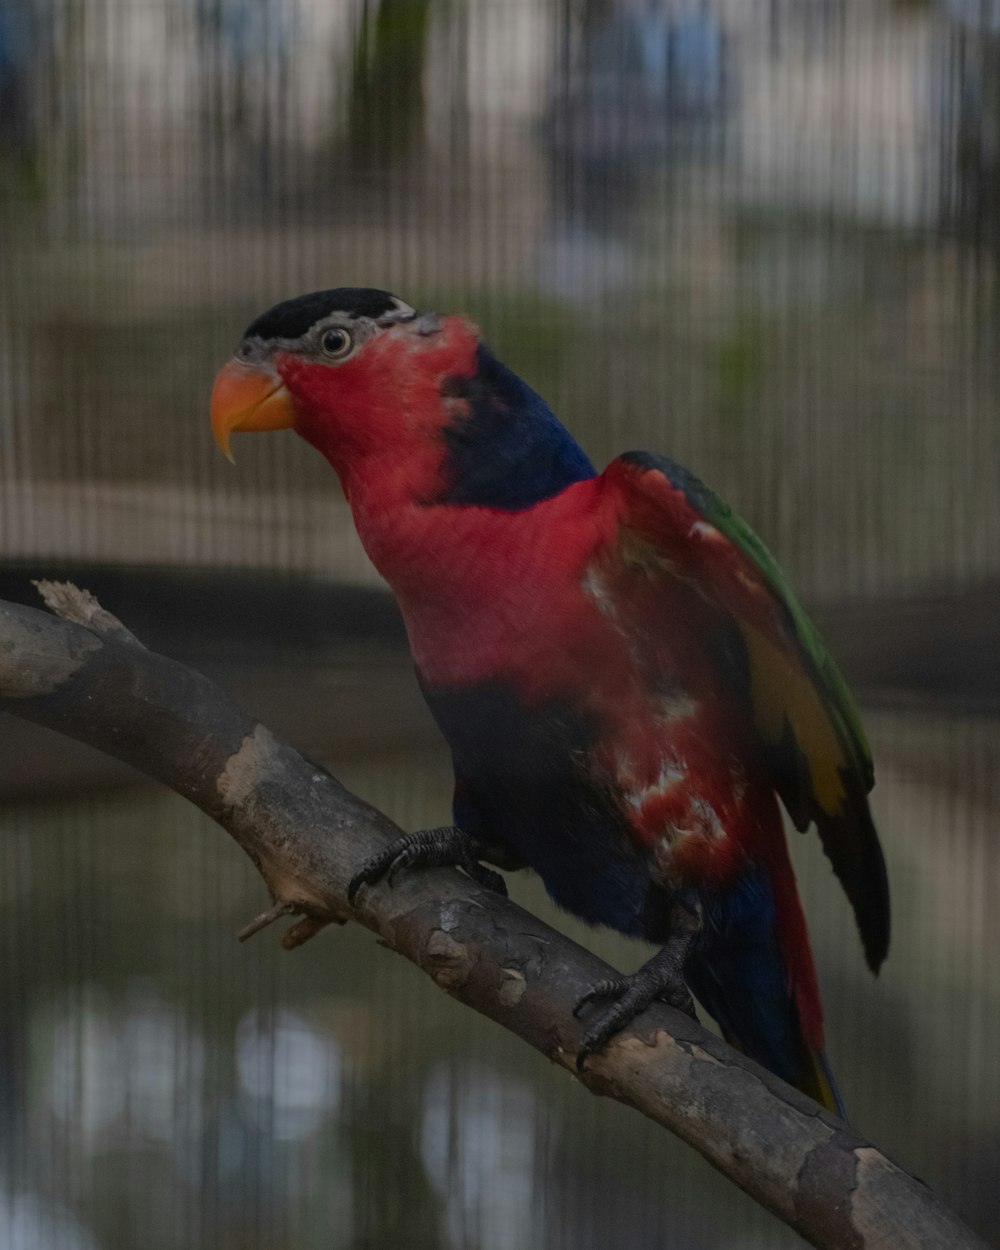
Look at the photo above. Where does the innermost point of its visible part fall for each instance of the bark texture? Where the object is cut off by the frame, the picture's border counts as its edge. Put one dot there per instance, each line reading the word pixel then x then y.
pixel 87 676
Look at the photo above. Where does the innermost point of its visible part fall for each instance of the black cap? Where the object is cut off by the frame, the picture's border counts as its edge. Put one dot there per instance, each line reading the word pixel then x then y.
pixel 294 317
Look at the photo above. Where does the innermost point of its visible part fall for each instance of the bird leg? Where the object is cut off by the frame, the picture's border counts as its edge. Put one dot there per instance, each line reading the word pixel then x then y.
pixel 661 977
pixel 447 846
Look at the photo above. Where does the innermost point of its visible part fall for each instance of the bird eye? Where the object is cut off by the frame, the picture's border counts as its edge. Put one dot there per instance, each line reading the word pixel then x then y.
pixel 336 343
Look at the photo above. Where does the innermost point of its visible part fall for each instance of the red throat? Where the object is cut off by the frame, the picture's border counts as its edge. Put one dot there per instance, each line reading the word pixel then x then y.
pixel 378 417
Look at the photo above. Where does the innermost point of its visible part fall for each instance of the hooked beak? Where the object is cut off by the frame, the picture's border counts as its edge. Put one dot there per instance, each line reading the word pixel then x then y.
pixel 248 397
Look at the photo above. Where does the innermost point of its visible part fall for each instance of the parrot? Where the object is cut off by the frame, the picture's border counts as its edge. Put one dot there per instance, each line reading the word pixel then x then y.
pixel 626 681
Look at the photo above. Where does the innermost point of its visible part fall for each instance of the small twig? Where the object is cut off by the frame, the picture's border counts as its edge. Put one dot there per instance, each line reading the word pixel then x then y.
pixel 281 908
pixel 307 928
pixel 80 607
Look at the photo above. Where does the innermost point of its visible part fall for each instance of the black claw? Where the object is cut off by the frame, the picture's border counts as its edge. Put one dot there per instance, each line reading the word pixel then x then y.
pixel 634 998
pixel 485 876
pixel 426 849
pixel 661 978
pixel 680 998
pixel 582 1055
pixel 372 869
pixel 405 859
pixel 612 988
pixel 633 995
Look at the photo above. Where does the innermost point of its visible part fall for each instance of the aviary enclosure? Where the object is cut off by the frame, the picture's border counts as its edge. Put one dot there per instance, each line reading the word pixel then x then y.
pixel 761 237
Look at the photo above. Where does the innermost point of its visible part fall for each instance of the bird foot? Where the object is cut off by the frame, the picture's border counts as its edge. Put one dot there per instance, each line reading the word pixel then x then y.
pixel 659 979
pixel 448 846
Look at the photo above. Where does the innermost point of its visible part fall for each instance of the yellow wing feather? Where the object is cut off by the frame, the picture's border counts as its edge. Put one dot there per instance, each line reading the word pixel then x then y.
pixel 784 696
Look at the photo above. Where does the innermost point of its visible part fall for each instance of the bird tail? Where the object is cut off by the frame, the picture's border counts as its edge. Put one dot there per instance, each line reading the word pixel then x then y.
pixel 753 972
pixel 819 1084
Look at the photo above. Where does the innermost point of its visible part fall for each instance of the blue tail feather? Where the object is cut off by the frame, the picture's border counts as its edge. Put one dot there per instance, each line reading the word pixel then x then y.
pixel 739 975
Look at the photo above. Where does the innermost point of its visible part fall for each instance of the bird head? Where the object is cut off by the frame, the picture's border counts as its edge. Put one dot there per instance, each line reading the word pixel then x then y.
pixel 408 402
pixel 353 370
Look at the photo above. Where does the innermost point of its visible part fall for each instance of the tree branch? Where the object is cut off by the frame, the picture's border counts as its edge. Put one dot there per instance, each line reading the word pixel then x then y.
pixel 87 676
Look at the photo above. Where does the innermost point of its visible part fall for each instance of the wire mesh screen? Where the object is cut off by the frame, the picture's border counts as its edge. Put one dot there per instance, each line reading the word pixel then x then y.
pixel 758 236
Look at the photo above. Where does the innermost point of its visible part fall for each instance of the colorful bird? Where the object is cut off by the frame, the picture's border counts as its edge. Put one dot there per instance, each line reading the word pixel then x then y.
pixel 623 675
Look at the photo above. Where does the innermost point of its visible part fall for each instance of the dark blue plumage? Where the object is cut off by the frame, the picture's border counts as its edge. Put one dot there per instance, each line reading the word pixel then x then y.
pixel 521 785
pixel 737 971
pixel 507 449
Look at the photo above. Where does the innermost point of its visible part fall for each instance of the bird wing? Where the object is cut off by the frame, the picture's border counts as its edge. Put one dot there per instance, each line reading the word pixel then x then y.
pixel 801 706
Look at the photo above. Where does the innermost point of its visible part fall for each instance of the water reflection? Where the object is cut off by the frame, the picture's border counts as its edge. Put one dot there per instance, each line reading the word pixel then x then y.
pixel 134 1067
pixel 289 1073
pixel 31 1223
pixel 479 1143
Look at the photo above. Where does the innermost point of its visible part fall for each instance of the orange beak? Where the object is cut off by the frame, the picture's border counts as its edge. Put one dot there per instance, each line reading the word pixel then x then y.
pixel 248 397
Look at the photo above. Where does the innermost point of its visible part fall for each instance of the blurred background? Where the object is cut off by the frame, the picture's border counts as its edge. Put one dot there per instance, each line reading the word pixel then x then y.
pixel 758 235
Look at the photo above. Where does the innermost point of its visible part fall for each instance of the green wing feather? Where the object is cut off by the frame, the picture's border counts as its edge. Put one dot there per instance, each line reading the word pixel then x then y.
pixel 838 697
